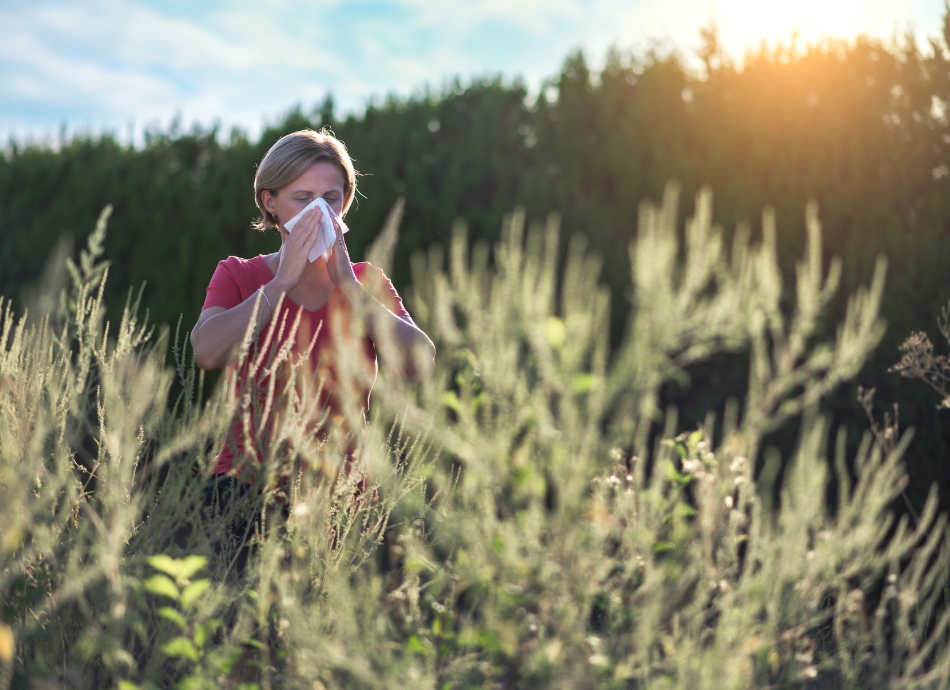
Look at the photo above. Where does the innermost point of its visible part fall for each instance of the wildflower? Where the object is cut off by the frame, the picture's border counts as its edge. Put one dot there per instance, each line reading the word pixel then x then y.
pixel 692 466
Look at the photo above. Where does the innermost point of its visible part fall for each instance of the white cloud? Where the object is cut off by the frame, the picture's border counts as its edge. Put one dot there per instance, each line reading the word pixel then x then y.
pixel 113 61
pixel 103 63
pixel 536 16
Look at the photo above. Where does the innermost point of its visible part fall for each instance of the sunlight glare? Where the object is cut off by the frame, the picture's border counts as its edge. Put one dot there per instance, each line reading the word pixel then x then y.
pixel 745 24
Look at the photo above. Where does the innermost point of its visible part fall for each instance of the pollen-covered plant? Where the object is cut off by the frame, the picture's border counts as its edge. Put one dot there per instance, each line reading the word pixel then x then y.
pixel 590 542
pixel 920 362
pixel 529 516
pixel 103 478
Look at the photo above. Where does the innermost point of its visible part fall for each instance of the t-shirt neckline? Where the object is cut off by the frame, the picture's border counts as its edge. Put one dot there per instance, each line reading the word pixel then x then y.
pixel 287 297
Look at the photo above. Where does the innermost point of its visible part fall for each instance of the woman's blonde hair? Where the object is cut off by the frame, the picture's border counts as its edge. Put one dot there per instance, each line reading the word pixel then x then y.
pixel 290 158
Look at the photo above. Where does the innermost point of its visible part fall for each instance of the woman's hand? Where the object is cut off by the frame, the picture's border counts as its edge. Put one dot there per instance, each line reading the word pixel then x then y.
pixel 295 249
pixel 338 265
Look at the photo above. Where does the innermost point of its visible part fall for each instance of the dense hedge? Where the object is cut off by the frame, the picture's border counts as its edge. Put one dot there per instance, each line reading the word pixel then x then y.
pixel 861 127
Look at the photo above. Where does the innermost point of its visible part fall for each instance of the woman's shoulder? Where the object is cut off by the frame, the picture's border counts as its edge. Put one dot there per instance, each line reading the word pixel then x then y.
pixel 240 263
pixel 369 275
pixel 365 268
pixel 380 286
pixel 241 267
pixel 244 272
pixel 234 279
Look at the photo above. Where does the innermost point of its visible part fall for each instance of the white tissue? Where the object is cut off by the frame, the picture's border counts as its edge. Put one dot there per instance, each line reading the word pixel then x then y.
pixel 326 236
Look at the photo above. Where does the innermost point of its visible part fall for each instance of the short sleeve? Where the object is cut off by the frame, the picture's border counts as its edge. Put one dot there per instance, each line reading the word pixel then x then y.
pixel 381 287
pixel 224 290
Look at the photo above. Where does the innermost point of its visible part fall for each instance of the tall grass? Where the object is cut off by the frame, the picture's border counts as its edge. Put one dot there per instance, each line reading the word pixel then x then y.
pixel 540 520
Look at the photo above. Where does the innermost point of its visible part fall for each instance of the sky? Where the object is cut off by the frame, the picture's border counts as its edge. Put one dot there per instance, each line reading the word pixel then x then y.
pixel 120 66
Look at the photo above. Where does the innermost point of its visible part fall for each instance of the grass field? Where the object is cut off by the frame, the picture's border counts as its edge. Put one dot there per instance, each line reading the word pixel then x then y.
pixel 541 521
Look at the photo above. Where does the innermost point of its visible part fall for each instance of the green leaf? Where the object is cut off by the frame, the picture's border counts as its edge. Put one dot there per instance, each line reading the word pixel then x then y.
pixel 181 647
pixel 174 616
pixel 191 593
pixel 451 400
pixel 224 660
pixel 418 563
pixel 487 639
pixel 178 569
pixel 478 401
pixel 415 646
pixel 676 477
pixel 203 631
pixel 128 685
pixel 662 546
pixel 684 510
pixel 166 564
pixel 583 383
pixel 193 683
pixel 162 586
pixel 191 565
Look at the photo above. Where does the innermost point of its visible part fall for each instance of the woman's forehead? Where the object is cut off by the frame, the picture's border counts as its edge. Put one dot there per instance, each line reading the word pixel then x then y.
pixel 321 177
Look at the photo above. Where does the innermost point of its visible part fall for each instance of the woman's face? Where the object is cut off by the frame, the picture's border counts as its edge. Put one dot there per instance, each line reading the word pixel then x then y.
pixel 321 179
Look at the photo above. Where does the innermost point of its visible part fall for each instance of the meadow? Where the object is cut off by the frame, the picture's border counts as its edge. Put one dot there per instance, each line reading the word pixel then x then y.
pixel 543 519
pixel 859 126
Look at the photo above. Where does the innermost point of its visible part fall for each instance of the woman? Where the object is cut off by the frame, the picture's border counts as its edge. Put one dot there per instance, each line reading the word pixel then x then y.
pixel 310 308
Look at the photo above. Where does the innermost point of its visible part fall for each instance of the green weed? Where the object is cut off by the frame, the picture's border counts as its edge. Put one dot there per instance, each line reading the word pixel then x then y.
pixel 541 520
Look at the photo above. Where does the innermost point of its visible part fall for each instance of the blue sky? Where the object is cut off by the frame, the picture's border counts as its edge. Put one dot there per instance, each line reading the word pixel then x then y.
pixel 122 65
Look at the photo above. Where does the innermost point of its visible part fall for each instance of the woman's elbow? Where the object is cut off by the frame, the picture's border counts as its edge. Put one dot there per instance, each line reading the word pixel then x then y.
pixel 210 361
pixel 422 362
pixel 204 361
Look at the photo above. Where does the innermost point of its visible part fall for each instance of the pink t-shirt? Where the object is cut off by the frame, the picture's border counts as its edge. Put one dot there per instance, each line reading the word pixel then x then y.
pixel 236 279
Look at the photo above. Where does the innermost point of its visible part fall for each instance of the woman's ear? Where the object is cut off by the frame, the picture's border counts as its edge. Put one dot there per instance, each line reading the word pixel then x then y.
pixel 269 204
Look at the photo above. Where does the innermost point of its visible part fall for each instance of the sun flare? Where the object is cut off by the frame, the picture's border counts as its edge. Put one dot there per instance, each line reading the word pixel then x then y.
pixel 745 24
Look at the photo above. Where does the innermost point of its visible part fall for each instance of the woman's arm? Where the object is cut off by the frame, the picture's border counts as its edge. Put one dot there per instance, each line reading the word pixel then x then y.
pixel 218 334
pixel 400 343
